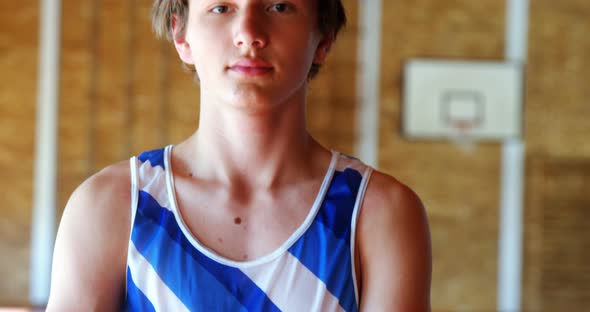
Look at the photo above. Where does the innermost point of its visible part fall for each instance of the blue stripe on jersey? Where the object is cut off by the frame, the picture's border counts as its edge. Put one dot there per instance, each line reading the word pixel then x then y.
pixel 338 204
pixel 156 157
pixel 325 247
pixel 187 275
pixel 156 228
pixel 329 259
pixel 136 300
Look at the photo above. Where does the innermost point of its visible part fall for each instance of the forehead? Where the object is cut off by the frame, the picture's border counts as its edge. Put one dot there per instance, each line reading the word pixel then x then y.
pixel 303 3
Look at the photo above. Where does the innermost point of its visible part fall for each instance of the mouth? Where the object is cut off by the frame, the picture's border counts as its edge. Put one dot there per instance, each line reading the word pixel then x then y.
pixel 251 67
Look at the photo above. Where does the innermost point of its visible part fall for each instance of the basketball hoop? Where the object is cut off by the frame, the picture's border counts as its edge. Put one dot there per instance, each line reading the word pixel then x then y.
pixel 462 130
pixel 463 127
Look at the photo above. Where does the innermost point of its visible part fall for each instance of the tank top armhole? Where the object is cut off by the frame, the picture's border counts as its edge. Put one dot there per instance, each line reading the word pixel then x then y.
pixel 133 210
pixel 355 213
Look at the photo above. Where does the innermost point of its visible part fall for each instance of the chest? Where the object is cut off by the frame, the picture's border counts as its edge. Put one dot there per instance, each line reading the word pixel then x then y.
pixel 241 225
pixel 301 240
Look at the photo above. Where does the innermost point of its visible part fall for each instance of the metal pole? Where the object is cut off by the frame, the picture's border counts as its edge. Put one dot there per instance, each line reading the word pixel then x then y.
pixel 368 84
pixel 512 179
pixel 45 180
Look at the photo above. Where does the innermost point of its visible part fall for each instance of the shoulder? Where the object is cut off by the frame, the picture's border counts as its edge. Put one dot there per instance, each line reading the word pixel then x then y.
pixel 394 212
pixel 100 199
pixel 91 246
pixel 99 209
pixel 111 184
pixel 394 246
pixel 387 197
pixel 105 194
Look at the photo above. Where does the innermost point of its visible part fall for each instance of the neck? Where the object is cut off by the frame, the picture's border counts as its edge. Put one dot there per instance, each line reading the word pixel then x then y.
pixel 262 148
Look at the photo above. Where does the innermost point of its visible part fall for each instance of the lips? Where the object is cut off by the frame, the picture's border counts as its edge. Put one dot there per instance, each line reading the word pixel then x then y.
pixel 251 67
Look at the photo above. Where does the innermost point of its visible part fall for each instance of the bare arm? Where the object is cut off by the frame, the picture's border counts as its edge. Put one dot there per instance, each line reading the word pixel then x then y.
pixel 394 248
pixel 89 260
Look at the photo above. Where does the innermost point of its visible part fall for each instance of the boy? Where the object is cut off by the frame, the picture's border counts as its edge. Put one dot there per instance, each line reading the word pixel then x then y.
pixel 250 213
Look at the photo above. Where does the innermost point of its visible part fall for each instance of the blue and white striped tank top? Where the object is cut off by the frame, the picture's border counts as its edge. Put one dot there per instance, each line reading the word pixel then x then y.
pixel 168 269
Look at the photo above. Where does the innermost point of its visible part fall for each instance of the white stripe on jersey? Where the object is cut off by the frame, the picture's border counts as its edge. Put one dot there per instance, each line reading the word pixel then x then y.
pixel 149 282
pixel 155 183
pixel 304 285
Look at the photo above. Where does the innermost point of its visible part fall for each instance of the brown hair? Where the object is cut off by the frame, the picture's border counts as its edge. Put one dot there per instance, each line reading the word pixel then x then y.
pixel 331 18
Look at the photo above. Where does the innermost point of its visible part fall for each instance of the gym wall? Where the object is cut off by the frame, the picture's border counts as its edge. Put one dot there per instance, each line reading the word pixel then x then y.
pixel 122 92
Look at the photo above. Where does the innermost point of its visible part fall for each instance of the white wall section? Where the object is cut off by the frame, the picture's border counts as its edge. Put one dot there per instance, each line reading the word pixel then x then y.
pixel 510 247
pixel 45 180
pixel 369 81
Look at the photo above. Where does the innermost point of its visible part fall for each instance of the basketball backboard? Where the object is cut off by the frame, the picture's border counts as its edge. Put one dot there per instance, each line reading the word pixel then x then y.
pixel 461 99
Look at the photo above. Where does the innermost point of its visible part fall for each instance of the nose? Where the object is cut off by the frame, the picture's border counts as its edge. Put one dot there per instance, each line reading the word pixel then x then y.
pixel 250 31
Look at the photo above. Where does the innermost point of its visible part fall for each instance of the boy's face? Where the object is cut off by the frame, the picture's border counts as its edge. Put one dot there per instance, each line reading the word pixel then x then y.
pixel 252 52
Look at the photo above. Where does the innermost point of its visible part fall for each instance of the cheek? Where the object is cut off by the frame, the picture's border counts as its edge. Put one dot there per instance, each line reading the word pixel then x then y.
pixel 302 54
pixel 208 52
pixel 205 38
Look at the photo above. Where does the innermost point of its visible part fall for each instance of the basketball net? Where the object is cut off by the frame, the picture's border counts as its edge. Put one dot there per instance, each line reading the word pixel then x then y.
pixel 461 134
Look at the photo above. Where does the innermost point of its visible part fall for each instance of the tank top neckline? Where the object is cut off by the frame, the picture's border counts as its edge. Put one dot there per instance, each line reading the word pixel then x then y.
pixel 262 259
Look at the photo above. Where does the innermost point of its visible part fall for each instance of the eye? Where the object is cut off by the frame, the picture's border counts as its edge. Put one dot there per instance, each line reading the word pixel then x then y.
pixel 220 9
pixel 280 7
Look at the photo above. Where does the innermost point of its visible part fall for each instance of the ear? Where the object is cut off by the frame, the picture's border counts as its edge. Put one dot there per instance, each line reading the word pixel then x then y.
pixel 182 46
pixel 323 49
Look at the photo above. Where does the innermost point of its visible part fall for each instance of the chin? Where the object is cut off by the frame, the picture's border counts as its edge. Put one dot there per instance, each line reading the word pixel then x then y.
pixel 256 100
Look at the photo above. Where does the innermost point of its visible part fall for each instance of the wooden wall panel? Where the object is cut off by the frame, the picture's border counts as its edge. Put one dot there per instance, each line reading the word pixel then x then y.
pixel 77 94
pixel 557 132
pixel 148 111
pixel 331 107
pixel 458 184
pixel 558 72
pixel 112 111
pixel 556 274
pixel 18 85
pixel 122 90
